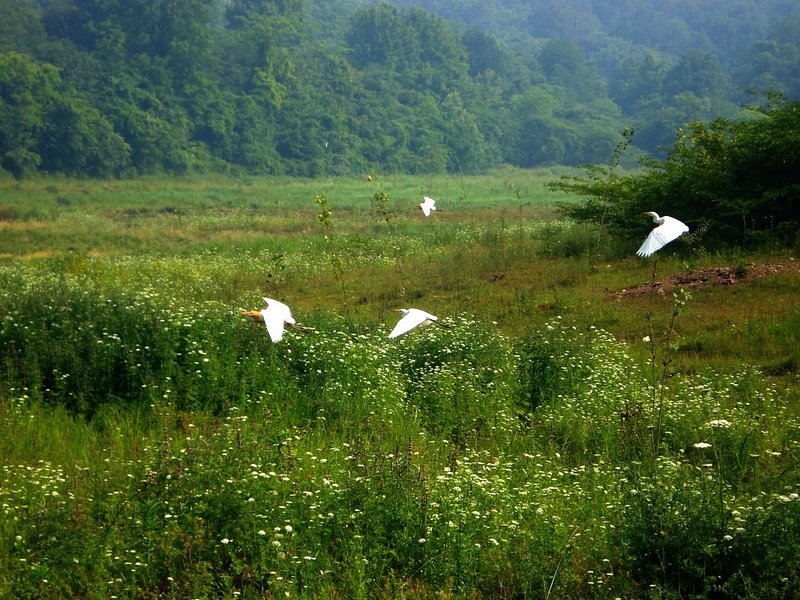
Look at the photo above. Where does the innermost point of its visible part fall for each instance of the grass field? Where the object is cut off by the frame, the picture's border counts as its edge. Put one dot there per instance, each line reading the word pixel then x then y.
pixel 559 439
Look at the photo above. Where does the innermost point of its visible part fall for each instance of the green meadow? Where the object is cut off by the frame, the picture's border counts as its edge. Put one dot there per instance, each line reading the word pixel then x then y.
pixel 567 434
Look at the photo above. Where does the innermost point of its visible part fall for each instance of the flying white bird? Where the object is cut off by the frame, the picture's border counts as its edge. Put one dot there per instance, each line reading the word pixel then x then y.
pixel 412 317
pixel 668 229
pixel 428 206
pixel 275 316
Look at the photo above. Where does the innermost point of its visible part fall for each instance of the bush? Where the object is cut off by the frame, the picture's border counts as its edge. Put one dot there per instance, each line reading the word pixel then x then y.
pixel 732 180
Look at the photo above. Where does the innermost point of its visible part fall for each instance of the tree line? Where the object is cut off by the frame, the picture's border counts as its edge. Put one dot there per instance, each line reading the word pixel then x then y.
pixel 103 88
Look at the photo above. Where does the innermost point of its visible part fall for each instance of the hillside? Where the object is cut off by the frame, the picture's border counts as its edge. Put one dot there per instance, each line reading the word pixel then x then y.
pixel 726 29
pixel 290 87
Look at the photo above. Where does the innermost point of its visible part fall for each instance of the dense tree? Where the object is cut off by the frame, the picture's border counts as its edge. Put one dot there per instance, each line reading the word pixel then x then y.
pixel 484 53
pixel 638 79
pixel 419 47
pixel 21 27
pixel 698 72
pixel 552 19
pixel 564 63
pixel 288 86
pixel 45 125
pixel 238 12
pixel 770 65
pixel 78 139
pixel 468 151
pixel 27 92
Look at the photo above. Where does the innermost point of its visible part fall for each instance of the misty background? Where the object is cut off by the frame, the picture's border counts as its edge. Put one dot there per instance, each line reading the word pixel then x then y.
pixel 132 87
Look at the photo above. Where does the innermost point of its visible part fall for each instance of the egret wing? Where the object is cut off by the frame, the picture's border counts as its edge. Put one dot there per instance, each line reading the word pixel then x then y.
pixel 428 206
pixel 274 324
pixel 275 316
pixel 662 235
pixel 413 318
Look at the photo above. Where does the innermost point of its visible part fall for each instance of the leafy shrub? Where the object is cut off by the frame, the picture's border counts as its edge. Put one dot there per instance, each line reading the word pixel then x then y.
pixel 732 180
pixel 75 346
pixel 461 378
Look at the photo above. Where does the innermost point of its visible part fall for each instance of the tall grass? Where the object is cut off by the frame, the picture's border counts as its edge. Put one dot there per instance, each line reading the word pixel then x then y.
pixel 159 445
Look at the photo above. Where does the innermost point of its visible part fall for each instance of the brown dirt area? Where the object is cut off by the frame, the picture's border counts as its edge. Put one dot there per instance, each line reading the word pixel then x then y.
pixel 713 276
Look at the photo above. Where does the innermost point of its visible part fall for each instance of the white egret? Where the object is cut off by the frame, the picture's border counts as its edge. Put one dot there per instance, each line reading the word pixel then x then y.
pixel 668 229
pixel 412 317
pixel 275 316
pixel 428 206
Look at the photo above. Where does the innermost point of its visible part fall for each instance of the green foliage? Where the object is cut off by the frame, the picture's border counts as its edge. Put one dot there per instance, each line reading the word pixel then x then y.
pixel 26 92
pixel 281 87
pixel 138 353
pixel 686 537
pixel 732 180
pixel 461 379
pixel 206 461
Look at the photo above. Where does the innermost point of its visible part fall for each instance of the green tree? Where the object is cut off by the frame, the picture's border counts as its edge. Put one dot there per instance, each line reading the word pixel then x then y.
pixel 78 140
pixel 468 151
pixel 484 53
pixel 418 47
pixel 736 182
pixel 638 79
pixel 254 130
pixel 656 121
pixel 769 65
pixel 535 135
pixel 238 12
pixel 28 91
pixel 700 73
pixel 21 27
pixel 564 63
pixel 315 125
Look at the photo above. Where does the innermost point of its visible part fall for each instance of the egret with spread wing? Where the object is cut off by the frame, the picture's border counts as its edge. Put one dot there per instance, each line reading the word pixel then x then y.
pixel 668 229
pixel 412 317
pixel 275 316
pixel 427 206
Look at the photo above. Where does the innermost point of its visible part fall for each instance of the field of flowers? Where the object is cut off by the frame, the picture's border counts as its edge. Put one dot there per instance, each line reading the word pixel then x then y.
pixel 158 445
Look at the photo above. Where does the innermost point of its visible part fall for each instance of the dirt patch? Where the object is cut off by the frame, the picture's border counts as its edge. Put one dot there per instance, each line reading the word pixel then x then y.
pixel 713 276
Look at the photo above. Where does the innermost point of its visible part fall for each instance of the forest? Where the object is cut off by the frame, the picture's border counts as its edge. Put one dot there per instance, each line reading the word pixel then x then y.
pixel 123 88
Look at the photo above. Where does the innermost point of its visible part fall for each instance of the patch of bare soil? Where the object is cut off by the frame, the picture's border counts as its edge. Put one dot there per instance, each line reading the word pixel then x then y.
pixel 714 276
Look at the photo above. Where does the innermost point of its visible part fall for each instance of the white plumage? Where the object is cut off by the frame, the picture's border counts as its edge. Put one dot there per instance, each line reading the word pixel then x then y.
pixel 668 229
pixel 428 206
pixel 412 317
pixel 275 316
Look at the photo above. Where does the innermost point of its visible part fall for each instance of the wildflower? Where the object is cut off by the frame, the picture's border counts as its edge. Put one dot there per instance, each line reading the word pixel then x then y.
pixel 225 541
pixel 719 424
pixel 646 339
pixel 702 445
